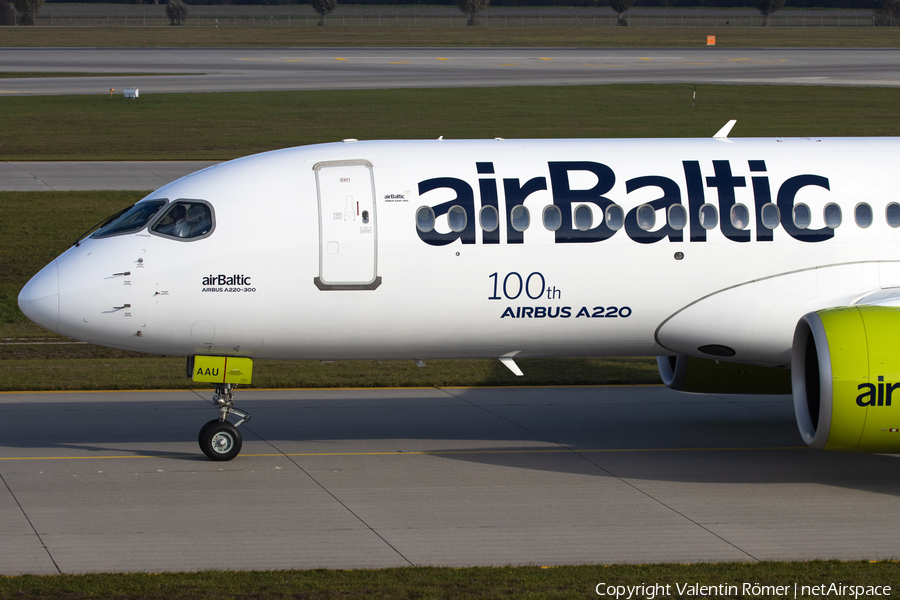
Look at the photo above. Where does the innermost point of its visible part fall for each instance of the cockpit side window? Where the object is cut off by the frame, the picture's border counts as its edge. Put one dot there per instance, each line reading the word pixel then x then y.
pixel 185 220
pixel 131 220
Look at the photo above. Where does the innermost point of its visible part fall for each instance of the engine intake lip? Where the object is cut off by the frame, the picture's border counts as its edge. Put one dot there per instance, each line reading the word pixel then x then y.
pixel 814 434
pixel 672 370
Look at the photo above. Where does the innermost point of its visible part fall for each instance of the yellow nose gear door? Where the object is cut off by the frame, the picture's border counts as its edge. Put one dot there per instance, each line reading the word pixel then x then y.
pixel 347 226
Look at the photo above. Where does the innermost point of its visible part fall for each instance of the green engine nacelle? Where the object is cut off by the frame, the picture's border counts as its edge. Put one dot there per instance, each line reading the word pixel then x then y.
pixel 845 371
pixel 708 376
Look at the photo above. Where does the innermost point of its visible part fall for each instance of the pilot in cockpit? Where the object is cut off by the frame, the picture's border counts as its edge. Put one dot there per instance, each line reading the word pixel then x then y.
pixel 196 222
pixel 169 223
pixel 185 220
pixel 183 225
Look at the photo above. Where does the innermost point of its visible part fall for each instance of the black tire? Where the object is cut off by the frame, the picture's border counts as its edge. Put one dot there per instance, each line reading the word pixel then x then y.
pixel 203 429
pixel 220 441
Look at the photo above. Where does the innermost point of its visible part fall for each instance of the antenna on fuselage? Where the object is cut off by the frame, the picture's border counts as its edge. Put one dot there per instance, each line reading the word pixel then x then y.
pixel 723 133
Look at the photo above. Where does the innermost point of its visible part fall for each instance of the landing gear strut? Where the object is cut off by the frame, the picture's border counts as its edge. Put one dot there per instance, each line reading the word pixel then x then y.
pixel 219 439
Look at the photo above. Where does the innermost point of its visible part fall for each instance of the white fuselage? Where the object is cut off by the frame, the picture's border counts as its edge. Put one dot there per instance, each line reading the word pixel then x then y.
pixel 316 253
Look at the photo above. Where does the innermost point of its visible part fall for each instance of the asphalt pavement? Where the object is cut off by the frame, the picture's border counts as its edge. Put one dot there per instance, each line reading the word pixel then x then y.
pixel 94 175
pixel 166 70
pixel 115 481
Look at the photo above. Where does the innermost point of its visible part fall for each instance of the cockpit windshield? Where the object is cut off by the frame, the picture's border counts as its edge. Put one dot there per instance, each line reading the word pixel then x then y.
pixel 185 219
pixel 131 220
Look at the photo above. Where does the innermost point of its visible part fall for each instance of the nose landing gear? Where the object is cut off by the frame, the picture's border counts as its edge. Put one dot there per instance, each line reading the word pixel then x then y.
pixel 219 439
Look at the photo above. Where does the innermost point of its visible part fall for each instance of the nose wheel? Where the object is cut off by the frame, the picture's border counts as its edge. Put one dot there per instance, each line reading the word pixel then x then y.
pixel 219 439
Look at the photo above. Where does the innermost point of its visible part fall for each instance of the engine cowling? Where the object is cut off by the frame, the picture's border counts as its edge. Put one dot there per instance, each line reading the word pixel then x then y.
pixel 845 368
pixel 708 376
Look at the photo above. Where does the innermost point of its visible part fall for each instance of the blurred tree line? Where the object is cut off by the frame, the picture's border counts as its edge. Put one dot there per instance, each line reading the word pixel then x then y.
pixel 884 12
pixel 859 4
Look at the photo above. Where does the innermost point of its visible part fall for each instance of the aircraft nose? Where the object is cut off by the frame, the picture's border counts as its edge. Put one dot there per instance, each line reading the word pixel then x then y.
pixel 39 299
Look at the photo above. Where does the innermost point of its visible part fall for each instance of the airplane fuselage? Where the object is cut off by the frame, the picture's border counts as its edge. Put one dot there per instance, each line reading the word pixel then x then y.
pixel 250 288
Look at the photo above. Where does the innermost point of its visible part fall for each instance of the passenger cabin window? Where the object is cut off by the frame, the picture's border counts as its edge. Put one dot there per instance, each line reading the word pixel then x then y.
pixel 646 217
pixel 740 216
pixel 802 216
pixel 425 219
pixel 615 217
pixel 490 219
pixel 709 216
pixel 456 218
pixel 833 216
pixel 584 218
pixel 185 219
pixel 677 217
pixel 863 214
pixel 520 218
pixel 771 216
pixel 892 214
pixel 131 220
pixel 552 217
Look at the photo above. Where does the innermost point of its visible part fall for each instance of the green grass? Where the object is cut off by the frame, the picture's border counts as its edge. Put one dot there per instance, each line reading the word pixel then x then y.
pixel 336 36
pixel 146 372
pixel 228 125
pixel 422 583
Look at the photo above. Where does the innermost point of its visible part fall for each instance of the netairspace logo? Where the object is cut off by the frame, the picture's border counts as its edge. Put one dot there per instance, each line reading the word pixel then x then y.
pixel 649 591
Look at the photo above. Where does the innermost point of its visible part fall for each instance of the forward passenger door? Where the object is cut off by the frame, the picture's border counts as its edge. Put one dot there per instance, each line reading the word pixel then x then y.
pixel 347 226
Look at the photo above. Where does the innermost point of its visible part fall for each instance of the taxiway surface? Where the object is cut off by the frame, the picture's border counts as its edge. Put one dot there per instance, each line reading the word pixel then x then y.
pixel 269 69
pixel 46 176
pixel 480 476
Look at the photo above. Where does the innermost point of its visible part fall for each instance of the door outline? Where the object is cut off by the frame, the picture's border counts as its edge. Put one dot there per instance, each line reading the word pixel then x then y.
pixel 320 281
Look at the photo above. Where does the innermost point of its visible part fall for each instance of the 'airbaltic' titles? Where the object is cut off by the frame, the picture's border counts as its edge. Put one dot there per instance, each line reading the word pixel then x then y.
pixel 227 283
pixel 226 280
pixel 724 180
pixel 875 396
